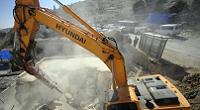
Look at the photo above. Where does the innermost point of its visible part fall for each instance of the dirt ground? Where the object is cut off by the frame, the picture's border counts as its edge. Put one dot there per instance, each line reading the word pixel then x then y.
pixel 190 87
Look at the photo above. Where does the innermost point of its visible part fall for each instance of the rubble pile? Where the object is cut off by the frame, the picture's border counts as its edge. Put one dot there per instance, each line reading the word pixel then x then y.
pixel 190 87
pixel 5 82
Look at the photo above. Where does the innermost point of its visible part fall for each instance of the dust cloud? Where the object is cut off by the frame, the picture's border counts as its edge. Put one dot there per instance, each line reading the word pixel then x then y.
pixel 134 59
pixel 84 81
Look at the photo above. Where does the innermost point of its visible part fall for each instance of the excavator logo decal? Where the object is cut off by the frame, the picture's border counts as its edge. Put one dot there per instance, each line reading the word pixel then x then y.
pixel 70 33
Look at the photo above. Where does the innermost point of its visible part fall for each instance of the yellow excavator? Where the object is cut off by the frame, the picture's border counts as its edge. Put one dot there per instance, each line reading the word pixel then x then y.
pixel 149 92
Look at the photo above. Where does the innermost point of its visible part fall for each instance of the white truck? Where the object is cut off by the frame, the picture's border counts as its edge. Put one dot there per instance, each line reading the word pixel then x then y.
pixel 169 29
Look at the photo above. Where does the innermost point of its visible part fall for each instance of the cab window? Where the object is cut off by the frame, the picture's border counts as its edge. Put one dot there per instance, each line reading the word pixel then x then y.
pixel 167 27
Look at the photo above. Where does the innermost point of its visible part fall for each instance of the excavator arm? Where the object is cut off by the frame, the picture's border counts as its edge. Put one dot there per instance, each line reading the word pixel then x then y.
pixel 28 16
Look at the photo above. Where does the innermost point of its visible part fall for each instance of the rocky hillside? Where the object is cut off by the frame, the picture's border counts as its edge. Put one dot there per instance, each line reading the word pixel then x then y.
pixel 6 36
pixel 111 11
pixel 102 11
